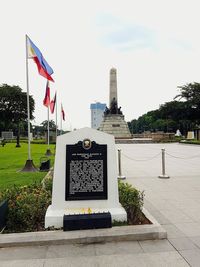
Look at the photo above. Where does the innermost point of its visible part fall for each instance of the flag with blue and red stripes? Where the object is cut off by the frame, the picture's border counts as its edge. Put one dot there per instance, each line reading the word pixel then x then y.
pixel 44 68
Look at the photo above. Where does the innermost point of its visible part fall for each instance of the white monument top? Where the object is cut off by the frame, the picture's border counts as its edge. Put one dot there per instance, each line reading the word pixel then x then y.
pixel 113 86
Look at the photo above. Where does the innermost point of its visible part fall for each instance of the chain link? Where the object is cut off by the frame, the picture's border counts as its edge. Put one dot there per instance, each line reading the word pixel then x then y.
pixel 141 159
pixel 173 156
pixel 192 157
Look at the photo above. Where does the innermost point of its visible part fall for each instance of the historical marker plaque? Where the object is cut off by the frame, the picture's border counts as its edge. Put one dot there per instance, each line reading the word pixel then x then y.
pixel 86 171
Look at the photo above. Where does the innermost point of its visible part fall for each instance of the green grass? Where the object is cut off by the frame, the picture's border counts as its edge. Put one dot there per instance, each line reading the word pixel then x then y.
pixel 195 142
pixel 12 160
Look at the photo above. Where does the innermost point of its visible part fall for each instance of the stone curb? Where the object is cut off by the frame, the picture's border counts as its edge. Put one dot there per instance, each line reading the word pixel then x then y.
pixel 117 233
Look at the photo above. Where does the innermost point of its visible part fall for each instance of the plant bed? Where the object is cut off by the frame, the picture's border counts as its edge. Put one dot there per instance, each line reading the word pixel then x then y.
pixel 140 221
pixel 28 204
pixel 132 200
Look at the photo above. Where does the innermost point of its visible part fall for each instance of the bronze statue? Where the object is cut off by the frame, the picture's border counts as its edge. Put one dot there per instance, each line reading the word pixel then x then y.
pixel 113 108
pixel 106 111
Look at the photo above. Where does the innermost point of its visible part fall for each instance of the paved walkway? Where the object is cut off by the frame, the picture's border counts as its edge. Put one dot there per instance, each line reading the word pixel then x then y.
pixel 174 202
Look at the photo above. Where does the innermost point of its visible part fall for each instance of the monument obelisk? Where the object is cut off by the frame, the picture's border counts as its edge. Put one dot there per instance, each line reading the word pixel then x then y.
pixel 113 121
pixel 113 85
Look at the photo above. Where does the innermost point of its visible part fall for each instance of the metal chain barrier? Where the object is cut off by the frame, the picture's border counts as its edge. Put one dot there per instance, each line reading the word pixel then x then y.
pixel 192 157
pixel 141 159
pixel 163 153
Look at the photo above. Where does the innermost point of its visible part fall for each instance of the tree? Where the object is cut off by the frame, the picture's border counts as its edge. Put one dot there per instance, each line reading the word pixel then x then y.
pixel 13 108
pixel 52 124
pixel 183 115
pixel 133 126
pixel 168 118
pixel 191 94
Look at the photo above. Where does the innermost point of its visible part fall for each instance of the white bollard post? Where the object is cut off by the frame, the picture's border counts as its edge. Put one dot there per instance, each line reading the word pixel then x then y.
pixel 120 176
pixel 163 175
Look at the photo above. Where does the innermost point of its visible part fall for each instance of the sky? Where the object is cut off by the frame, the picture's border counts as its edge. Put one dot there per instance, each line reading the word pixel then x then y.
pixel 154 45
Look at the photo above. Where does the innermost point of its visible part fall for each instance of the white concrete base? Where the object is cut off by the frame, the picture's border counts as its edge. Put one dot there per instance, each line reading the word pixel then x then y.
pixel 55 217
pixel 116 125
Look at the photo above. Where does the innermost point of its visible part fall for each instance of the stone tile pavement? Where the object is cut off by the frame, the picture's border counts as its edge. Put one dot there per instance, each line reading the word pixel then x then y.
pixel 174 202
pixel 136 254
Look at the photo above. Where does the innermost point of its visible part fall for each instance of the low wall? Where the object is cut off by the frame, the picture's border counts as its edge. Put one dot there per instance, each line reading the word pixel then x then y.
pixel 156 137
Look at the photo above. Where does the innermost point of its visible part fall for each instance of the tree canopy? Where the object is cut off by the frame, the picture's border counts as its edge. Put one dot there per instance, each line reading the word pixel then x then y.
pixel 13 107
pixel 182 113
pixel 191 93
pixel 52 125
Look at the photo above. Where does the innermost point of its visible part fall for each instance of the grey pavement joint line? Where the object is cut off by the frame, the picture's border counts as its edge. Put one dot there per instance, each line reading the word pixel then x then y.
pixel 179 253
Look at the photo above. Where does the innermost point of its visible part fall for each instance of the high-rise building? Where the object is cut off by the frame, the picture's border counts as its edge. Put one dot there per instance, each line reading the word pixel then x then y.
pixel 97 112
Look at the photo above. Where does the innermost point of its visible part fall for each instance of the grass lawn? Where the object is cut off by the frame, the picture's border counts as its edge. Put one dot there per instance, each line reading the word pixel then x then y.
pixel 195 142
pixel 12 160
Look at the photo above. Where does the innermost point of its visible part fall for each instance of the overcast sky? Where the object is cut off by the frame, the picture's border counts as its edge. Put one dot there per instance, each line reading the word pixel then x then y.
pixel 154 45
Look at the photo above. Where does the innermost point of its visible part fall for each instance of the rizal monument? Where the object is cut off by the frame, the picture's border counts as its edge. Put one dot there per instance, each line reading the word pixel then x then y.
pixel 113 119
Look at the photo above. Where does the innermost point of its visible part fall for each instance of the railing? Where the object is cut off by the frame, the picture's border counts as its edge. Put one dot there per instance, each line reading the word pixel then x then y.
pixel 161 155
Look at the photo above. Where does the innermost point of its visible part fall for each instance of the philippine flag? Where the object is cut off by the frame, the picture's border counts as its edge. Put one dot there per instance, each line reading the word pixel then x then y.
pixel 46 101
pixel 63 112
pixel 43 67
pixel 52 104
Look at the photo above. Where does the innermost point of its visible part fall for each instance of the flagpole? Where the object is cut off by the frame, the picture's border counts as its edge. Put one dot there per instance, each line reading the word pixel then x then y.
pixel 48 152
pixel 48 126
pixel 56 116
pixel 29 166
pixel 61 120
pixel 28 104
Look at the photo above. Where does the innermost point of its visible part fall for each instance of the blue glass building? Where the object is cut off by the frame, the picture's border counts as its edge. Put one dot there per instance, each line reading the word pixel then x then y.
pixel 97 110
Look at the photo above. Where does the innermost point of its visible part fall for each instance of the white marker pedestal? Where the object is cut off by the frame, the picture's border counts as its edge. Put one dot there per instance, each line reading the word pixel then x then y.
pixel 60 206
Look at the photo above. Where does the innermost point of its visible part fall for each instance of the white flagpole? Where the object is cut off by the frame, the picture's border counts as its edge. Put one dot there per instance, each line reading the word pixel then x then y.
pixel 48 152
pixel 28 105
pixel 56 116
pixel 61 120
pixel 48 125
pixel 29 166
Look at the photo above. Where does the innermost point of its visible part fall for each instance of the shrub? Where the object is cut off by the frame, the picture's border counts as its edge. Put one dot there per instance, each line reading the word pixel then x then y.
pixel 47 182
pixel 27 206
pixel 192 142
pixel 3 142
pixel 132 200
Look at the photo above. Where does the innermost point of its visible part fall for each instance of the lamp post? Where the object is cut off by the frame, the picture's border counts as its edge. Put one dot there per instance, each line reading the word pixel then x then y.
pixel 33 131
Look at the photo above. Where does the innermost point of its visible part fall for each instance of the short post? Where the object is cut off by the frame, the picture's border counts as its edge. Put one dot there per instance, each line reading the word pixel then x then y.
pixel 163 175
pixel 120 176
pixel 3 214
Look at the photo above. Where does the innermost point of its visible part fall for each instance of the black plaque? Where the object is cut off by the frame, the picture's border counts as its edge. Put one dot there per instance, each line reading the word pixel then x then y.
pixel 86 171
pixel 87 221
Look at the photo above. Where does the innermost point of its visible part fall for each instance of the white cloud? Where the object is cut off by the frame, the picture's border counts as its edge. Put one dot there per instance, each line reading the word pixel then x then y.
pixel 154 45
